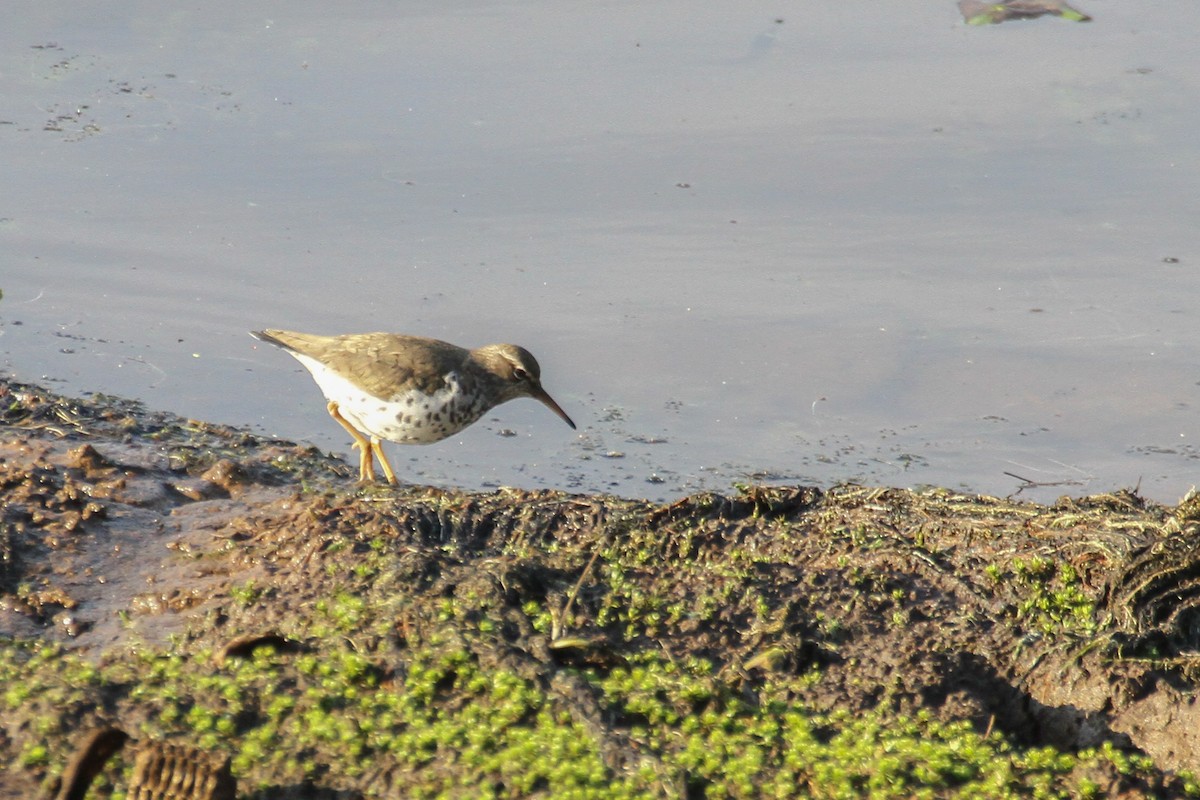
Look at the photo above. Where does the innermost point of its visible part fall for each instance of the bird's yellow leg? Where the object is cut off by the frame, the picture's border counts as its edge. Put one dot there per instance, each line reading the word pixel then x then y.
pixel 366 466
pixel 377 449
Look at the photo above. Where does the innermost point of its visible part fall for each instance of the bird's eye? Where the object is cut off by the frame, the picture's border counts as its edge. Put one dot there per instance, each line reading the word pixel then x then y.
pixel 520 374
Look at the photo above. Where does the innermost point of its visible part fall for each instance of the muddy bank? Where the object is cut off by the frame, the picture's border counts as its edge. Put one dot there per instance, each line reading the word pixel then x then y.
pixel 197 586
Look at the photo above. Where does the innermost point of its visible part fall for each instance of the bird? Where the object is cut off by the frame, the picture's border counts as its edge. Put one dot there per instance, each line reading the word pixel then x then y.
pixel 409 389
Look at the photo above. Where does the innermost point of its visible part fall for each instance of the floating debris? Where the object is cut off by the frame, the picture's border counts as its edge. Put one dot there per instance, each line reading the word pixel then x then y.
pixel 977 12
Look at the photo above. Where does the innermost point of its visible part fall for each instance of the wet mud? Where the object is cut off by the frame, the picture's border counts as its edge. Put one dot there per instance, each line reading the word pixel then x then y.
pixel 196 586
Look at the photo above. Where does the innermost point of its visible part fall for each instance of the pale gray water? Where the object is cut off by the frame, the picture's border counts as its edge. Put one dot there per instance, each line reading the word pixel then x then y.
pixel 866 242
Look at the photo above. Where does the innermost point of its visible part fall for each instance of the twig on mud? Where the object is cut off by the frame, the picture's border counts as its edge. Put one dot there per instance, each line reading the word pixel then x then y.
pixel 556 627
pixel 1026 483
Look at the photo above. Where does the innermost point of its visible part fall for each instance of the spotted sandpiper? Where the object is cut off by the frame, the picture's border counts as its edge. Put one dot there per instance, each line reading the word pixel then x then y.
pixel 409 389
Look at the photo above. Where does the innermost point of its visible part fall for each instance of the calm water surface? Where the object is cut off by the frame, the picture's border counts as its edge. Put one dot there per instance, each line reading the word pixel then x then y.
pixel 796 242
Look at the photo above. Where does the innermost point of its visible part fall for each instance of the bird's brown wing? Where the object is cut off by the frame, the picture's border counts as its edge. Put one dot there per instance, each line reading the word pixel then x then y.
pixel 383 364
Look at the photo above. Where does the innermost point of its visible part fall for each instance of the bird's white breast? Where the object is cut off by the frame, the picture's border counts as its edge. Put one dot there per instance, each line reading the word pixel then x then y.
pixel 409 417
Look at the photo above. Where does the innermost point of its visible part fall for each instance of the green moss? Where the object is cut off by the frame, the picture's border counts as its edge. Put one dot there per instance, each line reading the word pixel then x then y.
pixel 446 723
pixel 246 594
pixel 1052 597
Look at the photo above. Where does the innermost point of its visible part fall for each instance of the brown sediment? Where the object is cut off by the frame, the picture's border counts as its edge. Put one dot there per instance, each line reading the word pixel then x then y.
pixel 135 539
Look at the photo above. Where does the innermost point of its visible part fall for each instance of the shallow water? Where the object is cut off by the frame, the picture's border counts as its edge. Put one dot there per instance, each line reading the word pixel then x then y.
pixel 745 241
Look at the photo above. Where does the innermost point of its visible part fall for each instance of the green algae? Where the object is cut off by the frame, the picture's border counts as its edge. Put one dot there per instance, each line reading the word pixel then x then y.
pixel 447 727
